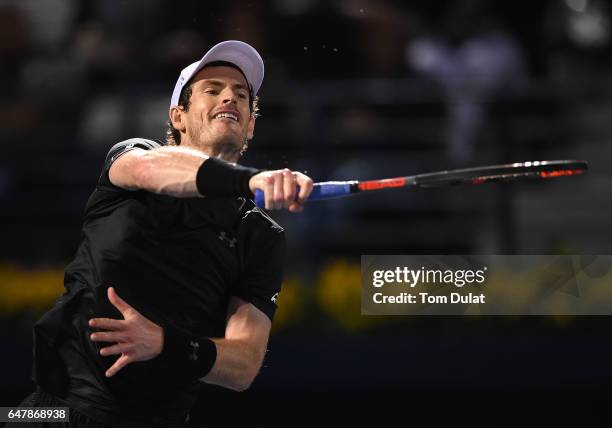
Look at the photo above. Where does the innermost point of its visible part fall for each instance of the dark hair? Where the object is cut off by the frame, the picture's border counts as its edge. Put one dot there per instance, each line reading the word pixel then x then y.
pixel 173 136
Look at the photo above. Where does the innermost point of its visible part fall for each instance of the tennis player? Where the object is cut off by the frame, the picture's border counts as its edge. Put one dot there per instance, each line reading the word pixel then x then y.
pixel 177 274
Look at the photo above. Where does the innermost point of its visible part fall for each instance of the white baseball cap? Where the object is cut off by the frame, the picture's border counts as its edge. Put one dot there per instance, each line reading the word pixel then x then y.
pixel 241 54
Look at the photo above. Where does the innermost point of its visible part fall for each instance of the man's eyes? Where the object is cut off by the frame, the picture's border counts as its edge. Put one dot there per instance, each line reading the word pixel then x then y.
pixel 213 91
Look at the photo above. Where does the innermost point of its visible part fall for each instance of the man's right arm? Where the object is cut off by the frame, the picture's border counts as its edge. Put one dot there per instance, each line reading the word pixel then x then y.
pixel 170 171
pixel 177 171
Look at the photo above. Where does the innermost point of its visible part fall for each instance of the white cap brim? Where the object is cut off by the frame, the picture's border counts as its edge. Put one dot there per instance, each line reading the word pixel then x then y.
pixel 241 54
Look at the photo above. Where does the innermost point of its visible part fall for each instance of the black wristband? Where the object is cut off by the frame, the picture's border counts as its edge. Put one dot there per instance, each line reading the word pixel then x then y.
pixel 216 177
pixel 191 356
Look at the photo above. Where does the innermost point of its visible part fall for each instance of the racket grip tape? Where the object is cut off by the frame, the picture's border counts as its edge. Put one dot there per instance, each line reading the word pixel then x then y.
pixel 326 190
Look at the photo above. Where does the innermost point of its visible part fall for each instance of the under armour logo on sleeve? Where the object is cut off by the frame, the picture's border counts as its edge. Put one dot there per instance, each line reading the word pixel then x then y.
pixel 274 297
pixel 194 354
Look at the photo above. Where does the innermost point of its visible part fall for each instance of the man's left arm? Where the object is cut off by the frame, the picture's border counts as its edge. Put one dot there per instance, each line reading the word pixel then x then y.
pixel 237 357
pixel 241 353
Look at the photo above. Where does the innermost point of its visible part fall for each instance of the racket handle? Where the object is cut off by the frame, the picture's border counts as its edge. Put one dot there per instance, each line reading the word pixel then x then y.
pixel 326 190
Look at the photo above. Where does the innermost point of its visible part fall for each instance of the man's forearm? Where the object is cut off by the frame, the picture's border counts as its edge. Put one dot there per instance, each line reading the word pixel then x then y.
pixel 236 366
pixel 181 172
pixel 169 171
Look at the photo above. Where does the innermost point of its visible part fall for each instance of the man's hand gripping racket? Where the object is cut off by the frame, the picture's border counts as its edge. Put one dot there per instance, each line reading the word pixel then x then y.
pixel 281 189
pixel 536 170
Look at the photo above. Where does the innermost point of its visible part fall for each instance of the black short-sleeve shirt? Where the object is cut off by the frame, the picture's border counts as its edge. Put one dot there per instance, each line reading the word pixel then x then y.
pixel 177 261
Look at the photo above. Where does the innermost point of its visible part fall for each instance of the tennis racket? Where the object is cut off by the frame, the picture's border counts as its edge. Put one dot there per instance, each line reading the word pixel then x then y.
pixel 537 170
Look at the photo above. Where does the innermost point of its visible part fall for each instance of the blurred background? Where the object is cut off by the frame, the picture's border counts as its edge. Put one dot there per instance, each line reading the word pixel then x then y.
pixel 353 89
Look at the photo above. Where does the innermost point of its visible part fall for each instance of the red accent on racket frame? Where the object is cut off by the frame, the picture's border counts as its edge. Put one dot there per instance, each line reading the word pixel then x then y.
pixel 382 184
pixel 560 173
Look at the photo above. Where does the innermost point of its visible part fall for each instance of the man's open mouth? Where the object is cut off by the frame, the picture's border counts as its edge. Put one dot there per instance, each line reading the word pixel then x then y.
pixel 226 115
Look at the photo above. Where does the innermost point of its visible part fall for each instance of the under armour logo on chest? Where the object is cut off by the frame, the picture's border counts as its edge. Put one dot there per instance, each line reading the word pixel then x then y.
pixel 230 241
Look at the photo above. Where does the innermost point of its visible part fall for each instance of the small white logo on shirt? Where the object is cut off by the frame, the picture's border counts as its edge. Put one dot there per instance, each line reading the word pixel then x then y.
pixel 274 297
pixel 230 241
pixel 194 355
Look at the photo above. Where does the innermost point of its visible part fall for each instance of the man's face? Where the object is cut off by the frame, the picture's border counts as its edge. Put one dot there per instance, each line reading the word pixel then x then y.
pixel 218 119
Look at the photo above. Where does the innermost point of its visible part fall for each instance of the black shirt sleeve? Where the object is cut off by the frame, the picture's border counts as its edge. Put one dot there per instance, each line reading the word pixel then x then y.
pixel 260 281
pixel 116 152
